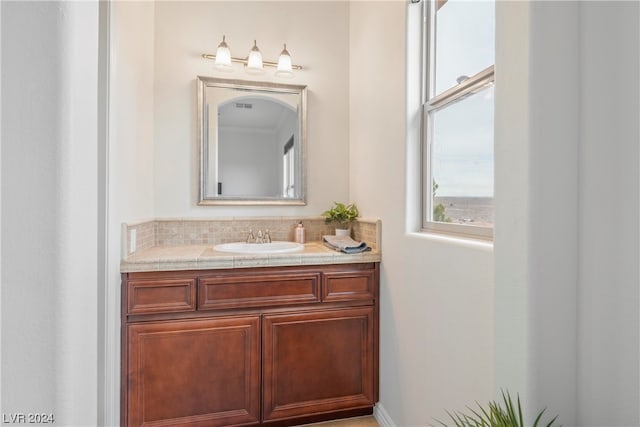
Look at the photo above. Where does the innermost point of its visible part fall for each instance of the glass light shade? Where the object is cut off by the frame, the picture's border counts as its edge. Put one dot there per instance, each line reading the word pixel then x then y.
pixel 254 61
pixel 284 64
pixel 223 56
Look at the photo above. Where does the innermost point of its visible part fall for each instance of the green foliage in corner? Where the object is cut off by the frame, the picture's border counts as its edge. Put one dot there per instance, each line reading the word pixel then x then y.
pixel 438 210
pixel 495 414
pixel 343 215
pixel 439 215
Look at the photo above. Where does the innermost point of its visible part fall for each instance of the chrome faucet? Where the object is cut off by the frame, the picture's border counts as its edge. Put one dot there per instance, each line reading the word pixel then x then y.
pixel 260 237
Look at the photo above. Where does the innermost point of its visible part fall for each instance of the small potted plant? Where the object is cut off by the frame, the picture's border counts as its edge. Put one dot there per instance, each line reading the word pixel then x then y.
pixel 343 215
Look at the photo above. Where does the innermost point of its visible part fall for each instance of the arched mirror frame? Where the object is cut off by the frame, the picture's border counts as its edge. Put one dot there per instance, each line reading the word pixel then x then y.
pixel 248 88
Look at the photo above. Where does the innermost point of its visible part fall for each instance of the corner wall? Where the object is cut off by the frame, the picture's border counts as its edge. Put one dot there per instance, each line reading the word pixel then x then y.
pixel 567 191
pixel 609 195
pixel 436 293
pixel 537 204
pixel 130 164
pixel 50 210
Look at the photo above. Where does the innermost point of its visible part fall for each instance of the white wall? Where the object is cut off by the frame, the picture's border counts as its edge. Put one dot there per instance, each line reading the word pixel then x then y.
pixel 536 194
pixel 512 185
pixel 131 113
pixel 49 209
pixel 566 246
pixel 250 164
pixel 437 294
pixel 316 34
pixel 130 165
pixel 609 278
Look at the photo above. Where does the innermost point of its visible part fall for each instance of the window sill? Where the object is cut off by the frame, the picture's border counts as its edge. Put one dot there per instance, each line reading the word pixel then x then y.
pixel 472 242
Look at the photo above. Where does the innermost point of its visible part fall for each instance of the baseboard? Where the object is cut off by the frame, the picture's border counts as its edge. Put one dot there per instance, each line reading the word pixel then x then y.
pixel 382 416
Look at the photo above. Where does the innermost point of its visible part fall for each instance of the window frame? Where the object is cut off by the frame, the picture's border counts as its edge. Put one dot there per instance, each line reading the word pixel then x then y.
pixel 430 104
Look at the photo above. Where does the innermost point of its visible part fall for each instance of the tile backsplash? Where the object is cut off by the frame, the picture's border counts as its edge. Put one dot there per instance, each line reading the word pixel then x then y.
pixel 172 232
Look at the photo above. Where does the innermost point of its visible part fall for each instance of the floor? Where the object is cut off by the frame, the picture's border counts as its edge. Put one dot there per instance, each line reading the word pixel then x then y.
pixel 366 421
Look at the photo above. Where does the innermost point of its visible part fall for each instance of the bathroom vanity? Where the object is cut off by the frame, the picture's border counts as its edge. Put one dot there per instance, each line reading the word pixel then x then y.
pixel 256 345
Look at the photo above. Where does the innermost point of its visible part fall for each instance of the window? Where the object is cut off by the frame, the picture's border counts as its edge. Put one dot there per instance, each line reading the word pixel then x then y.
pixel 457 184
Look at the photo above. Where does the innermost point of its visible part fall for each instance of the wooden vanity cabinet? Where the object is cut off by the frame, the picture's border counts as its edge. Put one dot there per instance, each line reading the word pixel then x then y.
pixel 202 372
pixel 252 346
pixel 317 362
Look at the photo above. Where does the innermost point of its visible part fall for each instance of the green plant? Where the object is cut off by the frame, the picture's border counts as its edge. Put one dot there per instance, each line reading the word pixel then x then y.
pixel 439 215
pixel 438 210
pixel 343 215
pixel 495 415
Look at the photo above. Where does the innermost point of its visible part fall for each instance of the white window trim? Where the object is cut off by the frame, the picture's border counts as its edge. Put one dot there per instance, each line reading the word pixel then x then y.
pixel 468 87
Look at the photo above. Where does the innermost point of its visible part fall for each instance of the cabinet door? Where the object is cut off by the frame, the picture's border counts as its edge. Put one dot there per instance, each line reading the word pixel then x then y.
pixel 196 373
pixel 317 362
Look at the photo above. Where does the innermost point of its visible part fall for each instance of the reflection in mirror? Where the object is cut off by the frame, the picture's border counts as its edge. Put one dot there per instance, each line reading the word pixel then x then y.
pixel 252 138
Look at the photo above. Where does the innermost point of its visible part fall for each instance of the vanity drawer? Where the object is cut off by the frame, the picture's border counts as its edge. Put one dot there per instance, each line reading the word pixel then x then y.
pixel 348 286
pixel 161 296
pixel 264 290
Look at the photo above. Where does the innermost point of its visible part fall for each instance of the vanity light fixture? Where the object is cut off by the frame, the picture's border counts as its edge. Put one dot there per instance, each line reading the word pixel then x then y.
pixel 254 60
pixel 223 56
pixel 253 63
pixel 284 64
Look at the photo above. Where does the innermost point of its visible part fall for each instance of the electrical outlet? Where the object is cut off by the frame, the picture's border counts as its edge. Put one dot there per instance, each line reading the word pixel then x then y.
pixel 132 241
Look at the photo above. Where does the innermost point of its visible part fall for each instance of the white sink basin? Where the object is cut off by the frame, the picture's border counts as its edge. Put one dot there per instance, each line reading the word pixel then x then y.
pixel 259 248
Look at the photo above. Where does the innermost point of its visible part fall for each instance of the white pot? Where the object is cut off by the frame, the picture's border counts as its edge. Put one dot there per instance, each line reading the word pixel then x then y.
pixel 343 232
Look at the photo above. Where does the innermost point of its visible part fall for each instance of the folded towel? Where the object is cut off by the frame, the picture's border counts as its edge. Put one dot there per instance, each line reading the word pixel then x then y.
pixel 345 244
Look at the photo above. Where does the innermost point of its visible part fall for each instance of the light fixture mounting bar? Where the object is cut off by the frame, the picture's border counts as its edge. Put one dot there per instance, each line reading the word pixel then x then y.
pixel 244 61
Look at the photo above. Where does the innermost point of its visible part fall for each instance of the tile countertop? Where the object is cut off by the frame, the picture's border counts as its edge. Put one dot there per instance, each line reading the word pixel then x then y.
pixel 203 257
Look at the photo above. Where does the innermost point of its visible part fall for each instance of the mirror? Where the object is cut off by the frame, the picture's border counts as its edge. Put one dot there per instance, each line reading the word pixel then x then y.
pixel 252 139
